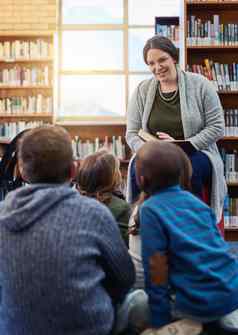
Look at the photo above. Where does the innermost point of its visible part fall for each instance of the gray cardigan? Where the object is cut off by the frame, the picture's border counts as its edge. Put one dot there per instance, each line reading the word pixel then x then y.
pixel 202 119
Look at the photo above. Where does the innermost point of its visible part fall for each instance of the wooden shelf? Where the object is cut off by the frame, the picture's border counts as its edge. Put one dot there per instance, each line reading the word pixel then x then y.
pixel 33 60
pixel 25 87
pixel 227 92
pixel 231 234
pixel 25 115
pixel 232 184
pixel 229 138
pixel 212 3
pixel 198 47
pixel 231 229
pixel 27 33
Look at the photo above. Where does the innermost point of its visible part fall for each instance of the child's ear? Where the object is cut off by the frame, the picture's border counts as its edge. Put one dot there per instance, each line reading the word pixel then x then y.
pixel 141 181
pixel 145 184
pixel 73 170
pixel 20 171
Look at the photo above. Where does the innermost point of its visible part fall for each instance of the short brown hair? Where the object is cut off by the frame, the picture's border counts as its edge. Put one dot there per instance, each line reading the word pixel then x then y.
pixel 161 43
pixel 161 164
pixel 99 175
pixel 46 155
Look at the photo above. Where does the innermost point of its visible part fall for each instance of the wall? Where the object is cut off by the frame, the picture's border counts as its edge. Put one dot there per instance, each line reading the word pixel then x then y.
pixel 28 16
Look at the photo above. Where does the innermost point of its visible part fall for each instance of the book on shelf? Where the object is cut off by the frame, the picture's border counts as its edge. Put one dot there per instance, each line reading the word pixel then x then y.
pixel 211 32
pixel 83 148
pixel 223 76
pixel 168 26
pixel 26 50
pixel 231 121
pixel 186 145
pixel 231 212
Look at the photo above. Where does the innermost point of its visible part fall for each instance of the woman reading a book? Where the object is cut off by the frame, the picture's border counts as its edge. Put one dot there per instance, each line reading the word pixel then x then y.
pixel 180 105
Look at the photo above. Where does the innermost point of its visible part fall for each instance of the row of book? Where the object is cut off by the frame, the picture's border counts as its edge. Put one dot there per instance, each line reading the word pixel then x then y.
pixel 211 1
pixel 230 165
pixel 224 76
pixel 211 32
pixel 26 105
pixel 9 130
pixel 231 213
pixel 18 49
pixel 82 148
pixel 231 122
pixel 24 76
pixel 169 31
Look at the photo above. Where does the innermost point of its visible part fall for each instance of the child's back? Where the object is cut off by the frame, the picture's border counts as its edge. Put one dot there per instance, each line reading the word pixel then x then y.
pixel 182 250
pixel 181 241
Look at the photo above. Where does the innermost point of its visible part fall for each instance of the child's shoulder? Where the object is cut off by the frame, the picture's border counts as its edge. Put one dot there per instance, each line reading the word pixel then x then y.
pixel 119 202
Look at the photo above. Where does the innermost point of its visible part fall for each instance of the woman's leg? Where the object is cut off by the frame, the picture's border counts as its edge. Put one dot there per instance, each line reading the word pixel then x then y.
pixel 202 172
pixel 134 183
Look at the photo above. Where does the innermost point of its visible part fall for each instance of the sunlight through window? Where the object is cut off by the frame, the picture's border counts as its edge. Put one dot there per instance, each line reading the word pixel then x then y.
pixel 101 59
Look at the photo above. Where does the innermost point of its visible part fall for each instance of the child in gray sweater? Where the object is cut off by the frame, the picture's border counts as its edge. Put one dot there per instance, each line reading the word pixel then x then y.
pixel 64 267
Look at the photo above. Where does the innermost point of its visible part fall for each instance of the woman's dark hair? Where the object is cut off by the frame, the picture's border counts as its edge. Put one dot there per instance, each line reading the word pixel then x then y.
pixel 161 43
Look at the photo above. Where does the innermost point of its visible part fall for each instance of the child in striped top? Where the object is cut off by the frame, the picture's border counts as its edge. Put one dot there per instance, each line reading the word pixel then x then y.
pixel 183 252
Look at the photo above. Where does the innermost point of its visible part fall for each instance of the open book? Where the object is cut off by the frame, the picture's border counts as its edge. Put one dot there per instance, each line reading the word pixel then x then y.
pixel 186 145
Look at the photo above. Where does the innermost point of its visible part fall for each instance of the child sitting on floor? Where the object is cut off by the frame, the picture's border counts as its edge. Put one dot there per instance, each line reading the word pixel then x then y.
pixel 99 177
pixel 64 267
pixel 183 253
pixel 134 229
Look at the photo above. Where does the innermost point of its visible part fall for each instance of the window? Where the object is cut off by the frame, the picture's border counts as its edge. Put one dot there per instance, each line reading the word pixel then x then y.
pixel 100 55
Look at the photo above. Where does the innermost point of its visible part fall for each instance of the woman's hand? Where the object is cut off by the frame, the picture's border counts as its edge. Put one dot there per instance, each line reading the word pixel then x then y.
pixel 164 136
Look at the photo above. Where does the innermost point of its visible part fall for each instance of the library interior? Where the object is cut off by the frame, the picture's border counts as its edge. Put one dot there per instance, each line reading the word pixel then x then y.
pixel 118 114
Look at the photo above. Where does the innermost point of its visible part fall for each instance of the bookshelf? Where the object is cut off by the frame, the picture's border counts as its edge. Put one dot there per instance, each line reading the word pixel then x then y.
pixel 90 134
pixel 169 26
pixel 26 81
pixel 211 47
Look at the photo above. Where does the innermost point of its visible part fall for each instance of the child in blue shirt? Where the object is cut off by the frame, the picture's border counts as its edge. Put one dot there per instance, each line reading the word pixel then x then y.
pixel 183 253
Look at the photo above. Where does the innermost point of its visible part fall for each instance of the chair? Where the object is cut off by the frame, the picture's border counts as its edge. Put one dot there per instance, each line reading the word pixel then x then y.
pixel 206 199
pixel 10 178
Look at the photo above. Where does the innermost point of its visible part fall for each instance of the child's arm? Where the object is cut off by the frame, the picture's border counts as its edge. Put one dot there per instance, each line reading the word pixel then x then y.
pixel 117 263
pixel 155 262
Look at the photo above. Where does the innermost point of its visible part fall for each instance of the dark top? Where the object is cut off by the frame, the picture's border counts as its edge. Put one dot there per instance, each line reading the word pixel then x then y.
pixel 165 115
pixel 121 211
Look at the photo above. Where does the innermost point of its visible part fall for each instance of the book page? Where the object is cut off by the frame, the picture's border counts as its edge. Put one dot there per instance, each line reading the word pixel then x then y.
pixel 186 145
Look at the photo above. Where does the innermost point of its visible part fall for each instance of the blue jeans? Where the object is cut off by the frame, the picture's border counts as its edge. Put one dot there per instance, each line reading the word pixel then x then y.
pixel 202 172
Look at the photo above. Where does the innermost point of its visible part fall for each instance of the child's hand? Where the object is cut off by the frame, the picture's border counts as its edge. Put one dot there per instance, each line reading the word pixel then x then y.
pixel 181 327
pixel 164 136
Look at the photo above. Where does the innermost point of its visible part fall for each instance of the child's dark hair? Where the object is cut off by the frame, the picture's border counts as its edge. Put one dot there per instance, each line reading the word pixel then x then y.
pixel 45 155
pixel 159 163
pixel 99 176
pixel 184 181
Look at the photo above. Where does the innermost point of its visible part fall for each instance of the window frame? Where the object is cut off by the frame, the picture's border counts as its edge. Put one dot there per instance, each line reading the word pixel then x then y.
pixel 125 28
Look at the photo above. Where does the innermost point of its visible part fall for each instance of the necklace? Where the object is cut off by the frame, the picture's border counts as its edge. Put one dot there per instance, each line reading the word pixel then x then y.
pixel 167 99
